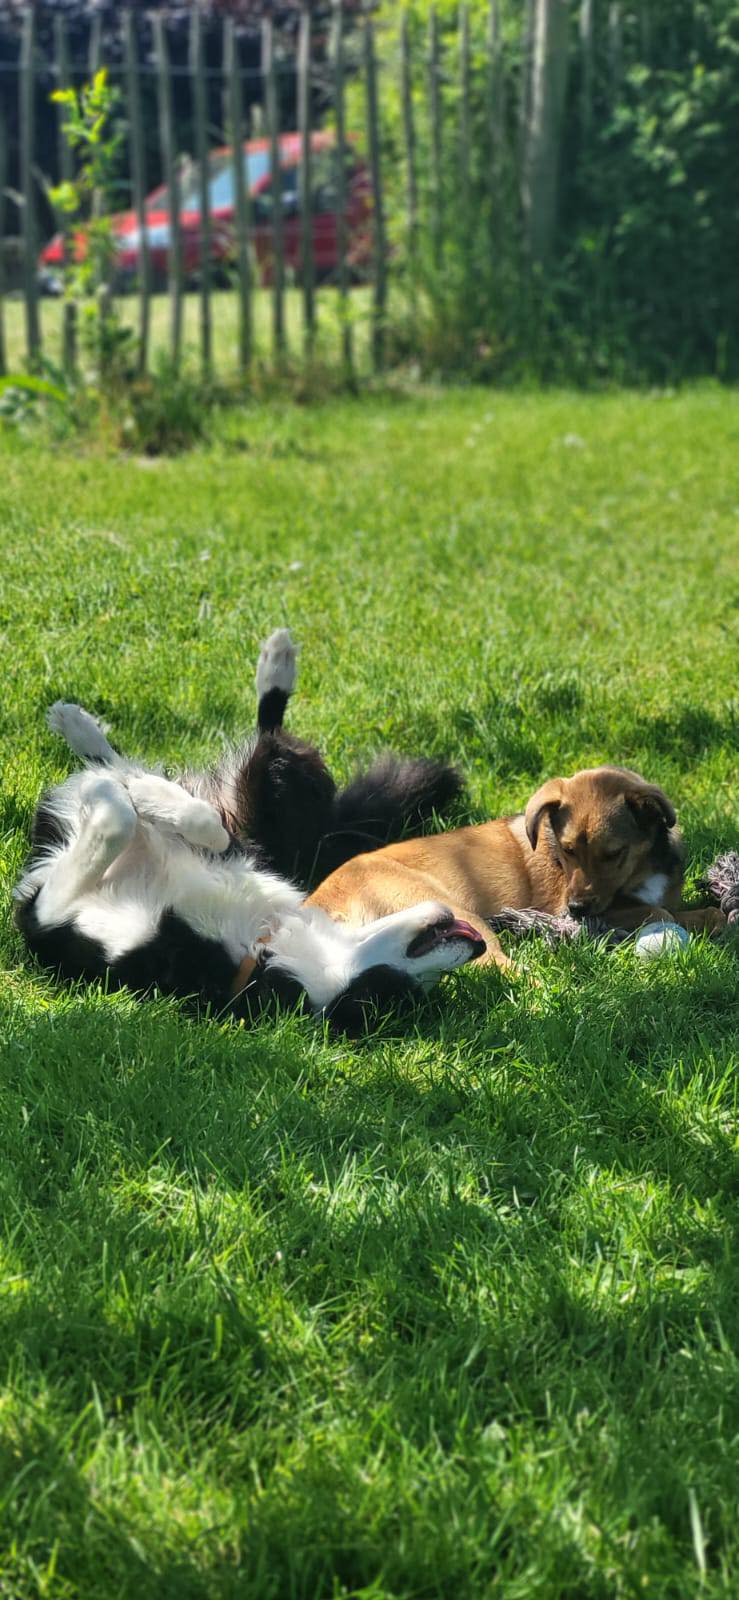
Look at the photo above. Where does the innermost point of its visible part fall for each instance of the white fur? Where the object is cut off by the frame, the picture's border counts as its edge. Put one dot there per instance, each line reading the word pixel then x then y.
pixel 81 730
pixel 651 891
pixel 170 807
pixel 326 956
pixel 277 664
pixel 138 845
pixel 119 873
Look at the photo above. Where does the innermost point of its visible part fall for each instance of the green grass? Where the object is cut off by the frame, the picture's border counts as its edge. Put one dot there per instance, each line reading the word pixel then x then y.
pixel 225 326
pixel 453 1311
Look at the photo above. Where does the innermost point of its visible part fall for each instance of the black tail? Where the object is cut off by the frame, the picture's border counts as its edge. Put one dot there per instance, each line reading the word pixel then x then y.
pixel 271 710
pixel 379 806
pixel 276 669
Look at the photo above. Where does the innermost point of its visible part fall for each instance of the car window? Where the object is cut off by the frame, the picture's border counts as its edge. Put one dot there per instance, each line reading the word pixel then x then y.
pixel 220 185
pixel 263 202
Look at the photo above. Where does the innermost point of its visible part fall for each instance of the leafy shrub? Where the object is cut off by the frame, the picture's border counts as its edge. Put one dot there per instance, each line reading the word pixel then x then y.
pixel 642 284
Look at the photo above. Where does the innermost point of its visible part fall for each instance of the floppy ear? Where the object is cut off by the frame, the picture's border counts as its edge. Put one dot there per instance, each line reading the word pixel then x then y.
pixel 547 798
pixel 648 800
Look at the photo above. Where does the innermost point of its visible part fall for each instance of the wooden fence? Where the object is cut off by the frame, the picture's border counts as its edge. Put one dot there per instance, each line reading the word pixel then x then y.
pixel 339 81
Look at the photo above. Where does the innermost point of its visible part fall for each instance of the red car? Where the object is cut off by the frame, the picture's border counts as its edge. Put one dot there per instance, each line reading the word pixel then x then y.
pixel 257 166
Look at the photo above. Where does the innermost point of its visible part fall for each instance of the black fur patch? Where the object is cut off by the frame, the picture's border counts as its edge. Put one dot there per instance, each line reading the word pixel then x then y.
pixel 283 803
pixel 46 829
pixel 177 961
pixel 393 797
pixel 271 710
pixel 379 990
pixel 268 990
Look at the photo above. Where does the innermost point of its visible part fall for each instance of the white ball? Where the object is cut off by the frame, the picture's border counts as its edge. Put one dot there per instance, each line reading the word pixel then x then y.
pixel 660 939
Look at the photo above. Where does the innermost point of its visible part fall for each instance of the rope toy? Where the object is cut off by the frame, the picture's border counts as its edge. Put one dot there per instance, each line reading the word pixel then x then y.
pixel 556 930
pixel 722 883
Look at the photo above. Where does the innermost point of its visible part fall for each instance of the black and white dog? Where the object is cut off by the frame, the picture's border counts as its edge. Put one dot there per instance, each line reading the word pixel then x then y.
pixel 190 886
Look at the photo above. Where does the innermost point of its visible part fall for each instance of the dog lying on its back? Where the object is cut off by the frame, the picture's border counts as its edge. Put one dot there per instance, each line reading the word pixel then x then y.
pixel 604 842
pixel 184 886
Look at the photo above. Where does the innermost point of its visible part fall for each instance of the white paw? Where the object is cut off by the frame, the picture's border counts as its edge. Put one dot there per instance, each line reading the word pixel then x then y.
pixel 106 811
pixel 207 831
pixel 277 665
pixel 83 732
pixel 173 810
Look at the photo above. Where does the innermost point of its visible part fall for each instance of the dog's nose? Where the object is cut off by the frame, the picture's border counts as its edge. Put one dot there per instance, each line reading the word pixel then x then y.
pixel 579 908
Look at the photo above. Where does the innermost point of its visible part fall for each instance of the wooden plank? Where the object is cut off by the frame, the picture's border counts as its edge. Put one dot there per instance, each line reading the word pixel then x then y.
pixel 465 120
pixel 437 217
pixel 200 107
pixel 342 156
pixel 497 114
pixel 307 267
pixel 3 181
pixel 30 237
pixel 616 47
pixel 138 182
pixel 586 63
pixel 527 67
pixel 235 124
pixel 94 44
pixel 171 178
pixel 379 296
pixel 409 140
pixel 66 173
pixel 273 128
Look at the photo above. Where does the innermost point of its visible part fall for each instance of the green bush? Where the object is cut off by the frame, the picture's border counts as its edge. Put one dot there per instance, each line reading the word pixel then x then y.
pixel 642 284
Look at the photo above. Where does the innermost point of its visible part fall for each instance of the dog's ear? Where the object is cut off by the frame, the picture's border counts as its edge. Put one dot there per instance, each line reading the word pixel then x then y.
pixel 547 798
pixel 650 803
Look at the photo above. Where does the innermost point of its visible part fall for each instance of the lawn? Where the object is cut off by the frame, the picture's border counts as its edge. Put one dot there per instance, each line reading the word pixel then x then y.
pixel 225 326
pixel 451 1311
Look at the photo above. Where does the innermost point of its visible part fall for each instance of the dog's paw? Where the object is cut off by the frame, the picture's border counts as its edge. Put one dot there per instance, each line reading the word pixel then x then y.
pixel 170 808
pixel 277 665
pixel 208 831
pixel 82 731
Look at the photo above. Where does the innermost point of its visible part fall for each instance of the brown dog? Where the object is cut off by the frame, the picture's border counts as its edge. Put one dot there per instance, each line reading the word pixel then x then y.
pixel 604 842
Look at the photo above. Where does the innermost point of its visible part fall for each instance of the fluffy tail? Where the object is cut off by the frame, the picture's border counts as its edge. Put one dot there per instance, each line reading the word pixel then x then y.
pixel 276 672
pixel 83 733
pixel 393 798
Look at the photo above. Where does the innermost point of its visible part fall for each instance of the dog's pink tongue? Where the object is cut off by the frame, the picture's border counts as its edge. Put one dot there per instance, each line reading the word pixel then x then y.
pixel 463 930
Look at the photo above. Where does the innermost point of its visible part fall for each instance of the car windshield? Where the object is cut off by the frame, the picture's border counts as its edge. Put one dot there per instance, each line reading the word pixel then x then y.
pixel 220 183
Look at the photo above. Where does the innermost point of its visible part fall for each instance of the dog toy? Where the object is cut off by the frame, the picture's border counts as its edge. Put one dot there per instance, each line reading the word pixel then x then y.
pixel 555 930
pixel 722 882
pixel 660 939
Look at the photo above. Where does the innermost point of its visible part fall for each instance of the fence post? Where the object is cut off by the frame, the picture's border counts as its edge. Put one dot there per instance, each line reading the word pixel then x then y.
pixel 171 178
pixel 378 218
pixel 138 181
pixel 273 132
pixel 437 237
pixel 3 181
pixel 30 281
pixel 94 44
pixel 66 173
pixel 409 134
pixel 464 111
pixel 586 60
pixel 497 117
pixel 307 271
pixel 616 47
pixel 544 131
pixel 241 190
pixel 200 99
pixel 341 155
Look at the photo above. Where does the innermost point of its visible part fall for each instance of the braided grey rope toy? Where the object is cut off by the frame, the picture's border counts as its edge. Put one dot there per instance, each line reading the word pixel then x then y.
pixel 555 930
pixel 722 882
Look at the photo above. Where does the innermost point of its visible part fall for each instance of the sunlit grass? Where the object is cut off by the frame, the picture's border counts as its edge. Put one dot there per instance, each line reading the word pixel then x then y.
pixel 452 1311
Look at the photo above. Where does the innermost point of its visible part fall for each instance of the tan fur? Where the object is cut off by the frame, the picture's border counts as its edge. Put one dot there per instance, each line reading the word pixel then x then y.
pixel 588 839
